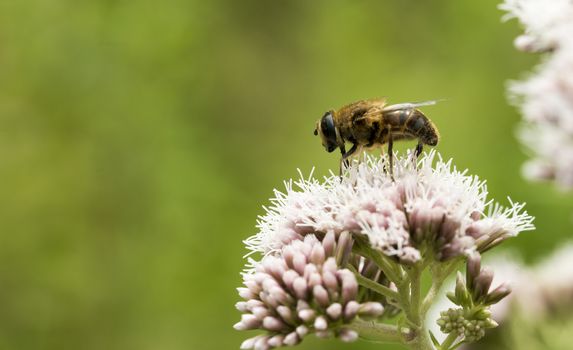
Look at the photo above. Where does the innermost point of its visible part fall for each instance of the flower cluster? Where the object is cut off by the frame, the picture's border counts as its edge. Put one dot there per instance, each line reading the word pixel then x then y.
pixel 429 209
pixel 471 327
pixel 473 296
pixel 352 249
pixel 540 303
pixel 546 97
pixel 301 291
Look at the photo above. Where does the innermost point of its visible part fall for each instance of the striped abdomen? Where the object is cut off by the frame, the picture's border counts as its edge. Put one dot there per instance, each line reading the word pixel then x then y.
pixel 411 123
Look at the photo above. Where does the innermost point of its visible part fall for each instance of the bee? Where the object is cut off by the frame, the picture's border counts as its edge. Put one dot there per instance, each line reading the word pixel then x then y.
pixel 373 123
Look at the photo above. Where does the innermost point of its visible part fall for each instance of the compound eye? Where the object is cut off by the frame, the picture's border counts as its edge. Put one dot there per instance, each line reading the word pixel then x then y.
pixel 329 131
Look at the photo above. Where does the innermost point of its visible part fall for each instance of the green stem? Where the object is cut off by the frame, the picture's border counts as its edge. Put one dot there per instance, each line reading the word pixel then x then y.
pixel 379 332
pixel 420 338
pixel 390 271
pixel 439 275
pixel 415 296
pixel 431 295
pixel 375 286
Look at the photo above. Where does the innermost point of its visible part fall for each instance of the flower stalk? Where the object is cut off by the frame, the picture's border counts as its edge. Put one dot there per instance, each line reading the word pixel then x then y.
pixel 375 286
pixel 380 332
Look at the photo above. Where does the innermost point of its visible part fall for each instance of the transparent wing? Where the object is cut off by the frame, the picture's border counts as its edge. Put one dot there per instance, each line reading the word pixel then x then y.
pixel 410 105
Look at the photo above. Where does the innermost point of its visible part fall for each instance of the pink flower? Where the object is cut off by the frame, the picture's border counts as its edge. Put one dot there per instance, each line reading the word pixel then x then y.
pixel 301 290
pixel 430 203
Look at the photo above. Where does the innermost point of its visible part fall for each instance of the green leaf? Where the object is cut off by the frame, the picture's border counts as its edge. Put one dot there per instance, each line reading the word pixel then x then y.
pixel 452 298
pixel 434 340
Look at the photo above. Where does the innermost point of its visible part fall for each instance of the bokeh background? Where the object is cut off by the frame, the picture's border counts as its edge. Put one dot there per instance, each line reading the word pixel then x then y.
pixel 139 140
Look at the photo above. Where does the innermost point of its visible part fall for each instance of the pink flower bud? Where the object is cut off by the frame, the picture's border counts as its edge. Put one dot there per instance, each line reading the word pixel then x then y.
pixel 246 293
pixel 286 314
pixel 307 315
pixel 273 324
pixel 330 281
pixel 329 243
pixel 291 339
pixel 248 321
pixel 299 263
pixel 334 311
pixel 260 312
pixel 302 330
pixel 349 289
pixel 300 288
pixel 249 343
pixel 321 296
pixel 242 306
pixel 473 267
pixel 289 277
pixel 330 265
pixel 347 335
pixel 314 279
pixel 351 309
pixel 370 310
pixel 482 284
pixel 262 344
pixel 276 341
pixel 317 254
pixel 321 323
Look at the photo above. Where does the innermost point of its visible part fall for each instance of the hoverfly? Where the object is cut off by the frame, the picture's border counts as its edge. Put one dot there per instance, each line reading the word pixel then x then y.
pixel 373 123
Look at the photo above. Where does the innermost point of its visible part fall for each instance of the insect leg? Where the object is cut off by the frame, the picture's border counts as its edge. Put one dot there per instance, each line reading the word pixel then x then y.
pixel 343 152
pixel 346 155
pixel 391 155
pixel 419 149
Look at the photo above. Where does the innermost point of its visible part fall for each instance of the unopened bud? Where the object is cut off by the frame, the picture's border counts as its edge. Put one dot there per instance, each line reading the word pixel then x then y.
pixel 351 309
pixel 497 294
pixel 461 293
pixel 291 339
pixel 370 310
pixel 482 284
pixel 276 340
pixel 347 335
pixel 321 323
pixel 334 311
pixel 273 324
pixel 344 248
pixel 329 243
pixel 473 267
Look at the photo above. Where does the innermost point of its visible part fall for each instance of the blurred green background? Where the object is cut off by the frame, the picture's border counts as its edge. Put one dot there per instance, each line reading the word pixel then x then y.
pixel 139 140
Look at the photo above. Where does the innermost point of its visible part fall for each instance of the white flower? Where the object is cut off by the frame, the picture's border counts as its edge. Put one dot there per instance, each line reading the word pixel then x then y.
pixel 545 98
pixel 546 22
pixel 428 205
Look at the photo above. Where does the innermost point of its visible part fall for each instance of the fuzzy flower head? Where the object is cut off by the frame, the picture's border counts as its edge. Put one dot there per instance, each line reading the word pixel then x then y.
pixel 430 209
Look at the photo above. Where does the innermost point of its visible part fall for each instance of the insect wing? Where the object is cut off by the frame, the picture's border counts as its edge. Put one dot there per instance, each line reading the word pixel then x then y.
pixel 409 105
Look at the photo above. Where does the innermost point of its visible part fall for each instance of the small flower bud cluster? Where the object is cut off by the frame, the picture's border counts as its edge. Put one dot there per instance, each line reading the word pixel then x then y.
pixel 463 323
pixel 473 296
pixel 301 291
